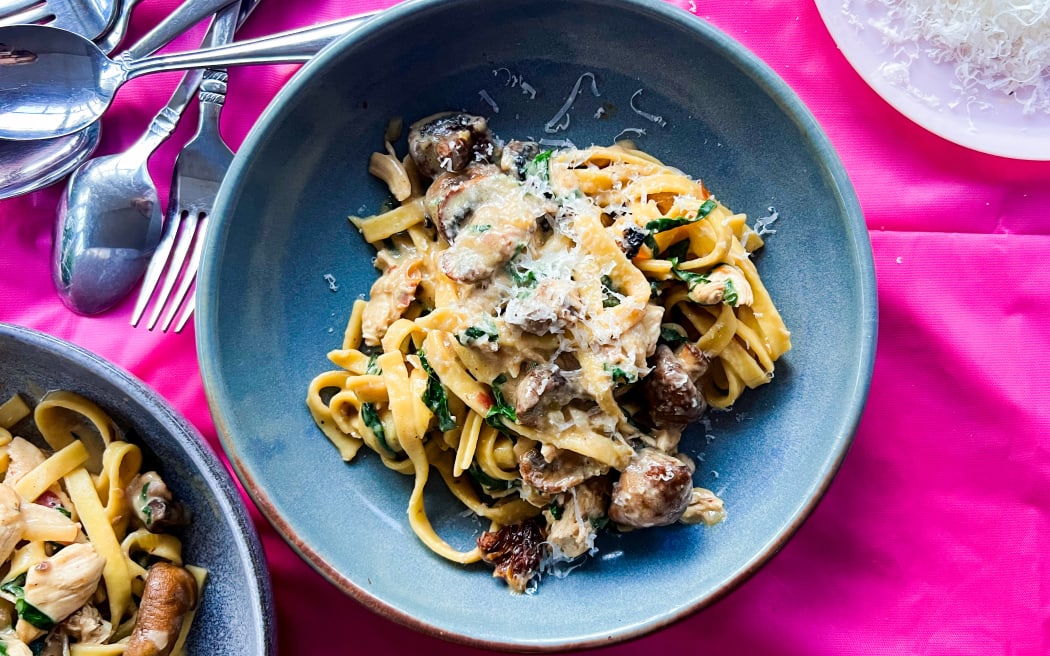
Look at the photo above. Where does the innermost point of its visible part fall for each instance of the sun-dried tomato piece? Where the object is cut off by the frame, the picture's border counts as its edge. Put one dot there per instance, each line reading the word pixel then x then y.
pixel 516 552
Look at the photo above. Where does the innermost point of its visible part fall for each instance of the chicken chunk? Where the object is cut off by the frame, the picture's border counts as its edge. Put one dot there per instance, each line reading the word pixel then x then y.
pixel 585 508
pixel 87 626
pixel 12 524
pixel 25 456
pixel 60 585
pixel 653 490
pixel 449 142
pixel 391 294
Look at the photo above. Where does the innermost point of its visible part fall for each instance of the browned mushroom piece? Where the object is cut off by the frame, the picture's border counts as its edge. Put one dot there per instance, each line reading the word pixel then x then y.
pixel 670 392
pixel 540 390
pixel 170 593
pixel 653 490
pixel 449 141
pixel 452 198
pixel 154 504
pixel 552 470
pixel 515 551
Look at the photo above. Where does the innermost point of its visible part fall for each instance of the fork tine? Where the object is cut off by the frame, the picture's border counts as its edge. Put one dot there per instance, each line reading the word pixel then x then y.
pixel 191 303
pixel 156 267
pixel 178 258
pixel 190 274
pixel 26 15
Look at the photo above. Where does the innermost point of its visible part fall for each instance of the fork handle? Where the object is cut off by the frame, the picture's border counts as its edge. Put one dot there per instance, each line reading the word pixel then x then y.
pixel 292 46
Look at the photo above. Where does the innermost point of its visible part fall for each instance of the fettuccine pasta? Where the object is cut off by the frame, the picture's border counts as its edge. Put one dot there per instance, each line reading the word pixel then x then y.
pixel 88 565
pixel 545 326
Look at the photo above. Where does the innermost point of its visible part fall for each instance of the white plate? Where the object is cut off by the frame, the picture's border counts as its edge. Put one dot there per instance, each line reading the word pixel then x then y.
pixel 988 121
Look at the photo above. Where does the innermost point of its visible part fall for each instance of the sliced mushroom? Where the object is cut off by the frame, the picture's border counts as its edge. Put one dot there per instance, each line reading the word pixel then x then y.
pixel 541 389
pixel 12 525
pixel 724 283
pixel 452 198
pixel 631 239
pixel 170 593
pixel 449 141
pixel 552 470
pixel 502 220
pixel 154 505
pixel 653 490
pixel 694 361
pixel 516 157
pixel 391 293
pixel 59 585
pixel 87 626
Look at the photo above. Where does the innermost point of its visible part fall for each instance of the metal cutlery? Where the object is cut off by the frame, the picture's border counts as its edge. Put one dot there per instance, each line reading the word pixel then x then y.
pixel 199 169
pixel 89 19
pixel 65 82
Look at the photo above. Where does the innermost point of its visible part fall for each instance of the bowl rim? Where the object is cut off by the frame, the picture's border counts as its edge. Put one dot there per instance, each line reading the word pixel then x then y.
pixel 208 466
pixel 860 251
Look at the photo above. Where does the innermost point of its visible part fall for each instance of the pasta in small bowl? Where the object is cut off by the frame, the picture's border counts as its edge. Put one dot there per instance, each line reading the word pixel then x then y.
pixel 120 533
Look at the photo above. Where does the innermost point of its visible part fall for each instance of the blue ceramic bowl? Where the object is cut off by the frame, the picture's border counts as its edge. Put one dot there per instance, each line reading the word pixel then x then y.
pixel 236 613
pixel 267 316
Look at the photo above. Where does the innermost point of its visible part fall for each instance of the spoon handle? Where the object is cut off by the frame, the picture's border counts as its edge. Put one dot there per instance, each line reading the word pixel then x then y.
pixel 293 46
pixel 184 17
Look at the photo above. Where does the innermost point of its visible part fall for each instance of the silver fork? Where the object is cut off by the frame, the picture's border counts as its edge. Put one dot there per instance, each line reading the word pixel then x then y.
pixel 199 169
pixel 88 19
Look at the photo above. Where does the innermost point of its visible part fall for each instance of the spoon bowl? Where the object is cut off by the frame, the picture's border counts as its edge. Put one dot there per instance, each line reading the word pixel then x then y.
pixel 29 165
pixel 55 82
pixel 111 223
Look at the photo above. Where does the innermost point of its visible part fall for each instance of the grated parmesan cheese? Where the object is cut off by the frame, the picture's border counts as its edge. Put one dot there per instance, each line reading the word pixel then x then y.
pixel 994 45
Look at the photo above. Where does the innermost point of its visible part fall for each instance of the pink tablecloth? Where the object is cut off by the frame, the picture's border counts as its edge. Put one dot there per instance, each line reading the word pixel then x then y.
pixel 934 538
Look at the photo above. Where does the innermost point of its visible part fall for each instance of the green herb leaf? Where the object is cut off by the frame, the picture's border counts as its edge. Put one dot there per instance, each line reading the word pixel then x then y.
pixel 370 416
pixel 487 481
pixel 729 294
pixel 677 251
pixel 620 376
pixel 148 512
pixel 474 335
pixel 691 279
pixel 667 223
pixel 555 510
pixel 33 615
pixel 373 365
pixel 500 408
pixel 599 522
pixel 671 336
pixel 64 511
pixel 145 490
pixel 540 166
pixel 435 397
pixel 484 227
pixel 14 586
pixel 609 298
pixel 3 649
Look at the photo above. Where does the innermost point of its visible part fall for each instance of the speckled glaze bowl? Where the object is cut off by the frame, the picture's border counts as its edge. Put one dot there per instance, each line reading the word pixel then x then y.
pixel 267 315
pixel 236 613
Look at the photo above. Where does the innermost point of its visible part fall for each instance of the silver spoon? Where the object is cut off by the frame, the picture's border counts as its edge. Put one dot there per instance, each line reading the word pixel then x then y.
pixel 109 219
pixel 109 41
pixel 26 166
pixel 56 82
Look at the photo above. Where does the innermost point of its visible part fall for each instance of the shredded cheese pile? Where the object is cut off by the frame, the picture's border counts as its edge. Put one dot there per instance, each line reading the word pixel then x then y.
pixel 998 45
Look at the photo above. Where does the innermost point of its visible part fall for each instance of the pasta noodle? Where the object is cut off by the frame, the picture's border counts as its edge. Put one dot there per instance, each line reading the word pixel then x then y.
pixel 545 326
pixel 82 538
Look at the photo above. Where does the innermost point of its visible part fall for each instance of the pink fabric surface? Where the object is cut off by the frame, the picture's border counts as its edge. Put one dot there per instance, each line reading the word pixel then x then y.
pixel 934 537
